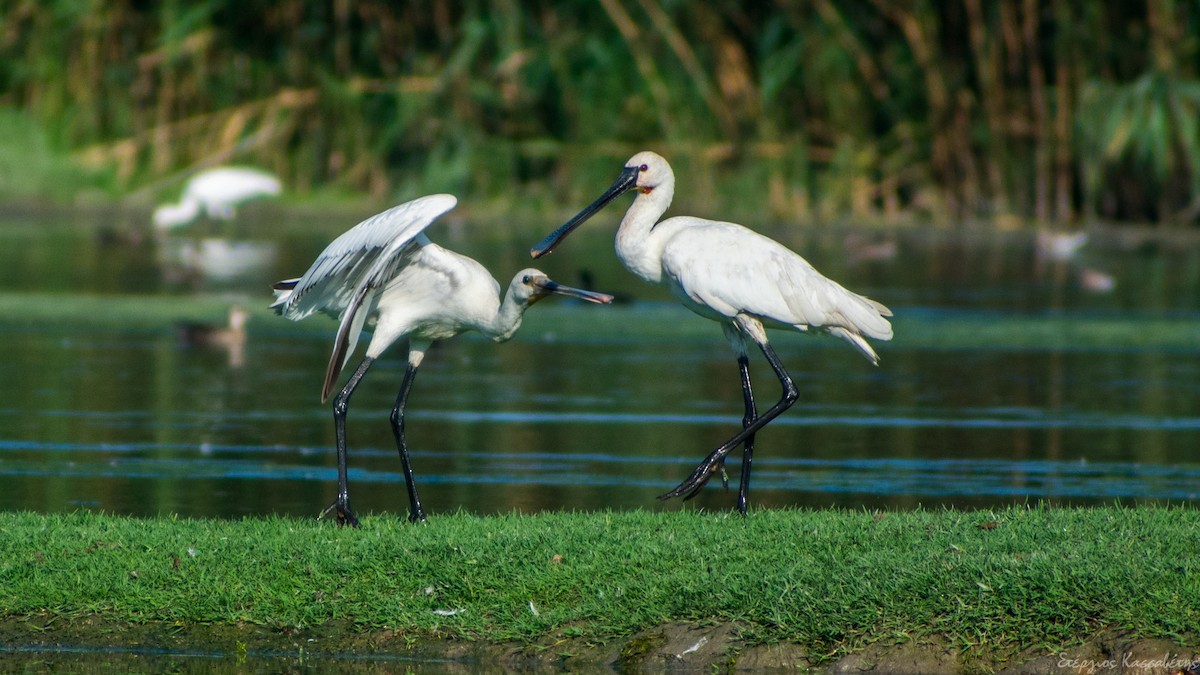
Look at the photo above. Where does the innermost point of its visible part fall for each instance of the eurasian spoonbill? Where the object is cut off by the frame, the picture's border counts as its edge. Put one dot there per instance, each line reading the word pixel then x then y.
pixel 737 277
pixel 385 271
pixel 217 192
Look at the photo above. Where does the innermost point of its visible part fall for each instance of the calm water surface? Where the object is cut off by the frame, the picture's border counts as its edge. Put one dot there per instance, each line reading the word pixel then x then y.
pixel 128 419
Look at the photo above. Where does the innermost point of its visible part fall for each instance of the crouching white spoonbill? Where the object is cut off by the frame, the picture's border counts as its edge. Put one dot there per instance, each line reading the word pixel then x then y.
pixel 386 272
pixel 217 192
pixel 737 277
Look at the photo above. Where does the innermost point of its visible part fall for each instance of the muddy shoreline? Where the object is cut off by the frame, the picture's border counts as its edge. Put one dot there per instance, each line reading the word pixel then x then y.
pixel 669 647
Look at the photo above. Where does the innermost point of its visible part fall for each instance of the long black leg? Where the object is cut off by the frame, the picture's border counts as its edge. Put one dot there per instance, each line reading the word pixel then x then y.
pixel 341 403
pixel 415 512
pixel 747 445
pixel 711 464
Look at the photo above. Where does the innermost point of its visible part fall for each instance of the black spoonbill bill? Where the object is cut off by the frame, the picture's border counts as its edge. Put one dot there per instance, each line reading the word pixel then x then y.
pixel 217 192
pixel 385 272
pixel 736 277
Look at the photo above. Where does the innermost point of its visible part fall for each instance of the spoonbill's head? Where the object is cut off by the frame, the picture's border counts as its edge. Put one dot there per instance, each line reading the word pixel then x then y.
pixel 530 285
pixel 644 172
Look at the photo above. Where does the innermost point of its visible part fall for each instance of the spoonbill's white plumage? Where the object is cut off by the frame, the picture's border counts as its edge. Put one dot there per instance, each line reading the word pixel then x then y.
pixel 386 273
pixel 737 277
pixel 217 193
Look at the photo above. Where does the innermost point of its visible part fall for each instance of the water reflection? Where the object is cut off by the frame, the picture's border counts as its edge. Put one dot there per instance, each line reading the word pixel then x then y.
pixel 133 420
pixel 213 260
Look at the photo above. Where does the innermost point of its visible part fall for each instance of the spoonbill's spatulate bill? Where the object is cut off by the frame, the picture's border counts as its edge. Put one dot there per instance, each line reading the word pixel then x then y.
pixel 217 193
pixel 385 272
pixel 737 277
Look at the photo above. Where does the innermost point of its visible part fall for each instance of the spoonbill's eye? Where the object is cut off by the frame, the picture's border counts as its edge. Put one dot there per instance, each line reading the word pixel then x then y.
pixel 644 167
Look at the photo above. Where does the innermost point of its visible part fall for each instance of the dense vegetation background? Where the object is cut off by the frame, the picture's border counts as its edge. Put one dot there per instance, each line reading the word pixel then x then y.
pixel 864 108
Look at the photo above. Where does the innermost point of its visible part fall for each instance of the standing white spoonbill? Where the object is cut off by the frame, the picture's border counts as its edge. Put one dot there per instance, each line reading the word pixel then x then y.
pixel 736 277
pixel 217 192
pixel 385 272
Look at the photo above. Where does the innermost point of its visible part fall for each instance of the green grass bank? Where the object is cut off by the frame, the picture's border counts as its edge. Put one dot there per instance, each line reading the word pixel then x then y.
pixel 986 584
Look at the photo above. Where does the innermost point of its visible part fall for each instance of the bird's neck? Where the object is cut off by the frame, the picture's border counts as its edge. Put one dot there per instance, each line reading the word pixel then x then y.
pixel 172 215
pixel 507 319
pixel 639 245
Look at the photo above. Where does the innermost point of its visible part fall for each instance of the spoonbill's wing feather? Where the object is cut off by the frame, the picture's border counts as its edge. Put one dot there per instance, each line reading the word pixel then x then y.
pixel 373 247
pixel 347 338
pixel 362 302
pixel 725 269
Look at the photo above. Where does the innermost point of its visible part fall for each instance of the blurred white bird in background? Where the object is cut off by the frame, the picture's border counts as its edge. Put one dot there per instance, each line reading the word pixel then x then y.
pixel 1062 249
pixel 1059 245
pixel 217 193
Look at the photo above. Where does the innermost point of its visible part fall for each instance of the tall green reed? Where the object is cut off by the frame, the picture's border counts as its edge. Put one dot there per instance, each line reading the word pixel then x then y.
pixel 871 108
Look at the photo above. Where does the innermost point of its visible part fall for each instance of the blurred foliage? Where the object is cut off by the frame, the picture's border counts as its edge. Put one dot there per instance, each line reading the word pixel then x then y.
pixel 867 108
pixel 32 165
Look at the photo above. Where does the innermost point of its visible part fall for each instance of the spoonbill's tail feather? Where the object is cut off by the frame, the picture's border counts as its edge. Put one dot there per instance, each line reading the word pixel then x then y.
pixel 857 319
pixel 855 341
pixel 844 314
